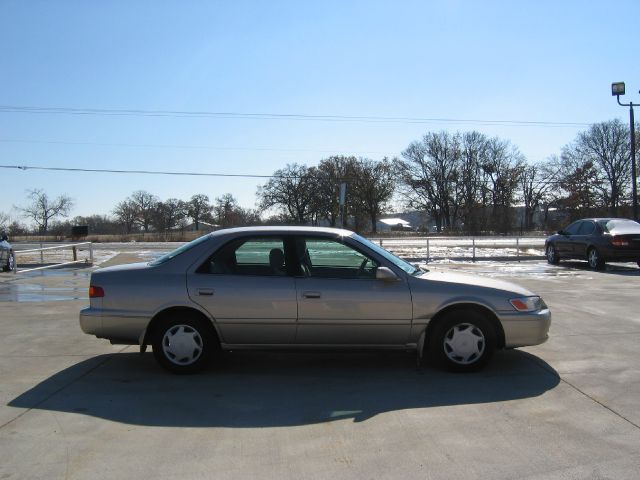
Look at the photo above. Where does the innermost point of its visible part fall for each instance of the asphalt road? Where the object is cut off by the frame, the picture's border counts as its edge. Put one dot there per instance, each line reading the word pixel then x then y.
pixel 75 407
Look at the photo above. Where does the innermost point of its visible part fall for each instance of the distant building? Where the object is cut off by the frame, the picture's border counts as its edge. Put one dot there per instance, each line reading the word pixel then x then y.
pixel 388 224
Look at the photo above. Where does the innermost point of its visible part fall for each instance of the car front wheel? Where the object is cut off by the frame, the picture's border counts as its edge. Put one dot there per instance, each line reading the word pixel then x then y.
pixel 552 255
pixel 595 260
pixel 462 341
pixel 184 343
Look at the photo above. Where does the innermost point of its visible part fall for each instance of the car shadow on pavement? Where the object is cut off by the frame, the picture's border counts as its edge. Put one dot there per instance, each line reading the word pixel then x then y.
pixel 263 389
pixel 628 269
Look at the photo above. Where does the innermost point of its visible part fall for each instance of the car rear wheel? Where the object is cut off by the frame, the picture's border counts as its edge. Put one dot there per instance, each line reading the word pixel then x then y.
pixel 552 255
pixel 462 341
pixel 184 343
pixel 595 260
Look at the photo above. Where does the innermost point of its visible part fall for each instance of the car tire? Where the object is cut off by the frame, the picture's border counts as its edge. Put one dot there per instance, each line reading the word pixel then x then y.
pixel 552 255
pixel 184 343
pixel 596 262
pixel 462 341
pixel 10 263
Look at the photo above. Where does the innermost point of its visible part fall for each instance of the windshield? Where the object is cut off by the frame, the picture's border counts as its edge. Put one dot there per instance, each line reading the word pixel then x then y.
pixel 398 262
pixel 620 226
pixel 168 256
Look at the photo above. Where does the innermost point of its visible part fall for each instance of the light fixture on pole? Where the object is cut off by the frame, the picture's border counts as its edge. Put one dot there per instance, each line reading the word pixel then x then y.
pixel 618 89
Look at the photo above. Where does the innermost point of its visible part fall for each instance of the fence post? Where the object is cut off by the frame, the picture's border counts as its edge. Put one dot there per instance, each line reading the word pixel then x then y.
pixel 91 253
pixel 75 253
pixel 427 249
pixel 474 248
pixel 518 248
pixel 380 242
pixel 41 254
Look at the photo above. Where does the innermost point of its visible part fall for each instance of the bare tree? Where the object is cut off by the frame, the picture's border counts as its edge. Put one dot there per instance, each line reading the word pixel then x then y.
pixel 503 166
pixel 227 212
pixel 145 204
pixel 4 221
pixel 126 213
pixel 374 187
pixel 537 182
pixel 606 146
pixel 199 209
pixel 429 174
pixel 292 190
pixel 42 209
pixel 169 214
pixel 329 174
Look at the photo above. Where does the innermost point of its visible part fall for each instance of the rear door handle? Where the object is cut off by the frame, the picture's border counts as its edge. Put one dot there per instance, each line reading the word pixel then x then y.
pixel 206 292
pixel 311 294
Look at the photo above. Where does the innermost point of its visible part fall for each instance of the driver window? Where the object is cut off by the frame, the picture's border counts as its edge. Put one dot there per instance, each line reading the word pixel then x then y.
pixel 325 258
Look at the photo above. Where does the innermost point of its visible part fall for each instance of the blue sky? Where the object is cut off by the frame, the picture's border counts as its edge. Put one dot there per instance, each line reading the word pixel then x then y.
pixel 550 61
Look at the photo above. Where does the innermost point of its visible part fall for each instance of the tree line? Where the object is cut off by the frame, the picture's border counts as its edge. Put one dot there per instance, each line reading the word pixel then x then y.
pixel 463 181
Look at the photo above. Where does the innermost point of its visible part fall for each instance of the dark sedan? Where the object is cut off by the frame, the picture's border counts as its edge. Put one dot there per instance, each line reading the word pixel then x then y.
pixel 598 240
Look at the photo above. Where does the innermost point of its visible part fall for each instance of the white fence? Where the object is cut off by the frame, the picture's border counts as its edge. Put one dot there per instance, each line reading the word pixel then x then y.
pixel 56 256
pixel 465 248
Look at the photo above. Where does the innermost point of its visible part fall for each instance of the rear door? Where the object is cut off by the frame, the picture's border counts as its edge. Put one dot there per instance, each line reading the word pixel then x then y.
pixel 340 302
pixel 247 288
pixel 583 238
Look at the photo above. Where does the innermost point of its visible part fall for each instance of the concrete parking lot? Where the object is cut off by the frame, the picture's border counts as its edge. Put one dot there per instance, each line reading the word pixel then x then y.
pixel 75 407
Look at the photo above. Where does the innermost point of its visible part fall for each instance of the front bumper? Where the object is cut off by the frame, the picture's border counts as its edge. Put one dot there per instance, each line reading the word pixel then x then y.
pixel 525 329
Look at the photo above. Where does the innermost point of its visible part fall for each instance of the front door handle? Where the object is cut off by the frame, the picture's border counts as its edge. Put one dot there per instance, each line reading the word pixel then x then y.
pixel 311 294
pixel 206 292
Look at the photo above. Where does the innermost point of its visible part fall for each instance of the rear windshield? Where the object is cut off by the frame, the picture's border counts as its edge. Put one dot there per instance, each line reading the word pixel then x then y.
pixel 619 227
pixel 187 246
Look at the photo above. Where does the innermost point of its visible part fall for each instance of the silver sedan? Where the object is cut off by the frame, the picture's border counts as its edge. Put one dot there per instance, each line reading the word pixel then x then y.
pixel 305 287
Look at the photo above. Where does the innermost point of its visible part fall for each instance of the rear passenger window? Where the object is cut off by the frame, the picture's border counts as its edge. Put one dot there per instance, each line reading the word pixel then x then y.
pixel 254 256
pixel 586 228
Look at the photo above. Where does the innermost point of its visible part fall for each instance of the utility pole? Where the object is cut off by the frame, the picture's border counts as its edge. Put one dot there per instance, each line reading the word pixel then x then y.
pixel 618 89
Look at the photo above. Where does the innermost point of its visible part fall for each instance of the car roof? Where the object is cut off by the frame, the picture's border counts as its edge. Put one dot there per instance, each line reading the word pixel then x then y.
pixel 283 230
pixel 606 219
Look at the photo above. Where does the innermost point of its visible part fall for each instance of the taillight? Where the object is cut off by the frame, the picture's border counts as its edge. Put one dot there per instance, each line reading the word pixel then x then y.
pixel 619 242
pixel 95 292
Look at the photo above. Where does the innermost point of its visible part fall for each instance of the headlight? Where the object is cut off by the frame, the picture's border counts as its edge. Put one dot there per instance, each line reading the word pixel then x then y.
pixel 528 304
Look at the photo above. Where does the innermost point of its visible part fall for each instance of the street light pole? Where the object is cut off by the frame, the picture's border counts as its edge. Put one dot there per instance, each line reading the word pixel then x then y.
pixel 618 89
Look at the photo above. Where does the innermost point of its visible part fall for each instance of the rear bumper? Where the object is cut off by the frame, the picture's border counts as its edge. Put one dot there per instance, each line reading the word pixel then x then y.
pixel 525 329
pixel 91 321
pixel 621 255
pixel 122 328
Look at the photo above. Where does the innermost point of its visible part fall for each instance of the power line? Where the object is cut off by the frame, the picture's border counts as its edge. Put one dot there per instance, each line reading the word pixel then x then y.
pixel 227 175
pixel 280 116
pixel 186 147
pixel 143 172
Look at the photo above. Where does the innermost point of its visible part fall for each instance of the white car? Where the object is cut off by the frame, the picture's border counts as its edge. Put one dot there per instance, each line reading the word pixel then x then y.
pixel 7 257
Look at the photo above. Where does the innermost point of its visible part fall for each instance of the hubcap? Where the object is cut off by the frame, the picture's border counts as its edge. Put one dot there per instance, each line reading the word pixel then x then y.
pixel 182 344
pixel 593 259
pixel 550 254
pixel 464 343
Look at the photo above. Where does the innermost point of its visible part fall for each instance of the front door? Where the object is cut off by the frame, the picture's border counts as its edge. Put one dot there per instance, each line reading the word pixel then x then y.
pixel 340 302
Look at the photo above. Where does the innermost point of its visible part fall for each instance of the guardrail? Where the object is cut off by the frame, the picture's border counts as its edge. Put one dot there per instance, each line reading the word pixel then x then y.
pixel 74 252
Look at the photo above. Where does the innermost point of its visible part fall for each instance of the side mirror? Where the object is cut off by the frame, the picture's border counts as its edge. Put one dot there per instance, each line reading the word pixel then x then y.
pixel 561 232
pixel 386 274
